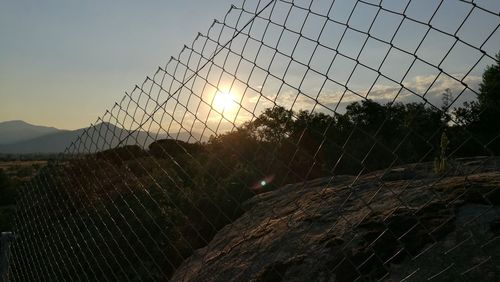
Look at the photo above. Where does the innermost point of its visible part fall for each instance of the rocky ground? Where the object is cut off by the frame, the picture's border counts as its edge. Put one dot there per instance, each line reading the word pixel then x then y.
pixel 406 223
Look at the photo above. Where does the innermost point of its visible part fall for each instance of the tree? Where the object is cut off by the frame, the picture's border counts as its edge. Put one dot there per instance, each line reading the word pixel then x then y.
pixel 482 116
pixel 273 124
pixel 489 96
pixel 447 100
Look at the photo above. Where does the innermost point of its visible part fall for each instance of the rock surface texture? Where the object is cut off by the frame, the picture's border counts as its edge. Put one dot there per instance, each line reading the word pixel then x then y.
pixel 405 223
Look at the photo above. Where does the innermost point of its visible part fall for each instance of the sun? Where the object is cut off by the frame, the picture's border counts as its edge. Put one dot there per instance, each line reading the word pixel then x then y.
pixel 225 101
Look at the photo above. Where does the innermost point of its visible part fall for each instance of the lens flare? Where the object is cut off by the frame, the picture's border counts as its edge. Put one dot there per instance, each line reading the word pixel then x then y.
pixel 263 184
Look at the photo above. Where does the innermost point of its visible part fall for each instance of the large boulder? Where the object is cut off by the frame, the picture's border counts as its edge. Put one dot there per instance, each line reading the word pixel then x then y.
pixel 391 225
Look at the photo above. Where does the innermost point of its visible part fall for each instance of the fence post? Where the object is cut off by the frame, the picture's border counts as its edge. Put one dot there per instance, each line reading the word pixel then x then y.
pixel 5 240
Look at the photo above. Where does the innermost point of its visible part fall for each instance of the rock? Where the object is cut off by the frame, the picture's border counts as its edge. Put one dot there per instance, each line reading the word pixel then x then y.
pixel 400 173
pixel 495 227
pixel 370 228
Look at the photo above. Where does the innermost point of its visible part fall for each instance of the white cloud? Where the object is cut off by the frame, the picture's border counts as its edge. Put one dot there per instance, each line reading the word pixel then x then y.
pixel 428 86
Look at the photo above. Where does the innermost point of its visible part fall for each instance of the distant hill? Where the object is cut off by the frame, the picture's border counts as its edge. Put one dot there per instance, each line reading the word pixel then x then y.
pixel 17 130
pixel 105 136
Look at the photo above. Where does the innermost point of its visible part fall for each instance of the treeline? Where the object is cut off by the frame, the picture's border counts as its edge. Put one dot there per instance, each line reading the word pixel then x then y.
pixel 294 146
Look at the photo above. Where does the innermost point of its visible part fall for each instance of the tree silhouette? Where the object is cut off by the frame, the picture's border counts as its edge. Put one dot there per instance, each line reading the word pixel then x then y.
pixel 489 96
pixel 481 117
pixel 273 124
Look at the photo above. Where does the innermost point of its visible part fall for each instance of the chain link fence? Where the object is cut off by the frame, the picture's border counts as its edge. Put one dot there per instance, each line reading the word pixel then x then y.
pixel 325 140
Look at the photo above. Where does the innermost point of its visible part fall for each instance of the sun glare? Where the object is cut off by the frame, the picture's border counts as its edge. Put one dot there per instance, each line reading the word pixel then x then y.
pixel 225 101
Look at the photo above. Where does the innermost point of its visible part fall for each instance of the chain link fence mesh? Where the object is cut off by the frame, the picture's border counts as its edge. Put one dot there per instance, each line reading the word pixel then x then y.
pixel 380 109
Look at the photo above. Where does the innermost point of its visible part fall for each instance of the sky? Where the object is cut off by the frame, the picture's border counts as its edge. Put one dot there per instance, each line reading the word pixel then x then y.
pixel 64 63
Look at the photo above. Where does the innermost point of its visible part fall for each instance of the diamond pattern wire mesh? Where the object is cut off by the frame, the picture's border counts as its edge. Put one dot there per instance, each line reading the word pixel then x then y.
pixel 122 205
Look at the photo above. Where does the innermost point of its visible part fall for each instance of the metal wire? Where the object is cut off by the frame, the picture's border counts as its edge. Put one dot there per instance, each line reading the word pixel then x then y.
pixel 115 208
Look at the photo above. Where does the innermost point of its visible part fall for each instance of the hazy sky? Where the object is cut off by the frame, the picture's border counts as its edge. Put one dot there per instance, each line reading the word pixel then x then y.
pixel 63 63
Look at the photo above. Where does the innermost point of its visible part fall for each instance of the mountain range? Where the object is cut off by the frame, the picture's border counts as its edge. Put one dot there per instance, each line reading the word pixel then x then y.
pixel 17 130
pixel 19 137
